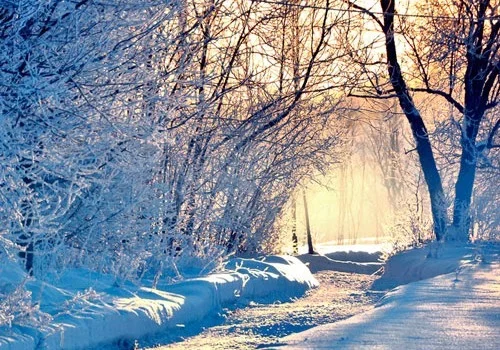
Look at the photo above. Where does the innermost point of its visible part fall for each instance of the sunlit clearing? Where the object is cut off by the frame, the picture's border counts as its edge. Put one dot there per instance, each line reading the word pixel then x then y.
pixel 349 210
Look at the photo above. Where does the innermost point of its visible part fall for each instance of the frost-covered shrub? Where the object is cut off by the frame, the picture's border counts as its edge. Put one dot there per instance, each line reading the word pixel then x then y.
pixel 122 154
pixel 17 308
pixel 81 302
pixel 16 305
pixel 485 211
pixel 412 226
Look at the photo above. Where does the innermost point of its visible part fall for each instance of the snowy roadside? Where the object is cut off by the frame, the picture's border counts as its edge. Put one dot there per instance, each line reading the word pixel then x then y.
pixel 457 310
pixel 110 314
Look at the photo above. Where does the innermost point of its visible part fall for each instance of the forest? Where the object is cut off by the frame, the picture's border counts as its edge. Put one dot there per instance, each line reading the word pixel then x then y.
pixel 148 138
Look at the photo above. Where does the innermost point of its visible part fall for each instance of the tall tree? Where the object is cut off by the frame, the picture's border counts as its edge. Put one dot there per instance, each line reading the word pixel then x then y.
pixel 310 247
pixel 454 48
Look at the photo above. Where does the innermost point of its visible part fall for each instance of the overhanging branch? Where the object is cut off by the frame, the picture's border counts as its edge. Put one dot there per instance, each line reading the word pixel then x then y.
pixel 447 96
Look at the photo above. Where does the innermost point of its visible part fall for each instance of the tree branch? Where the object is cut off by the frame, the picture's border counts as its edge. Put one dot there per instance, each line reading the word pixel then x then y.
pixel 378 97
pixel 489 143
pixel 366 11
pixel 447 97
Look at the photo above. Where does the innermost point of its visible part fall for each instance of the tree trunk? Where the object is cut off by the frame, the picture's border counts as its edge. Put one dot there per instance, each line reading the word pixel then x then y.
pixel 419 130
pixel 466 177
pixel 310 248
pixel 27 238
pixel 479 79
pixel 28 254
pixel 295 241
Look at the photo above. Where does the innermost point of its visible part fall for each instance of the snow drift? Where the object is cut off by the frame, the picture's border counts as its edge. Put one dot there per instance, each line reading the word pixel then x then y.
pixel 88 309
pixel 457 310
pixel 435 259
pixel 318 262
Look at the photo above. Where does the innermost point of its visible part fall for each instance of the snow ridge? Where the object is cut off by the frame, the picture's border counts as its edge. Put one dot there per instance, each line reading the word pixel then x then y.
pixel 133 312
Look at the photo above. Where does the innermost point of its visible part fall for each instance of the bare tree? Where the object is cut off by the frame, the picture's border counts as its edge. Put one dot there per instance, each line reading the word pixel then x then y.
pixel 310 247
pixel 453 45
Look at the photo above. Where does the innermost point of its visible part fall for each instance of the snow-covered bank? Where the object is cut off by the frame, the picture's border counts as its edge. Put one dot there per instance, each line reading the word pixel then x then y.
pixel 317 262
pixel 84 318
pixel 458 310
pixel 368 245
pixel 429 261
pixel 364 258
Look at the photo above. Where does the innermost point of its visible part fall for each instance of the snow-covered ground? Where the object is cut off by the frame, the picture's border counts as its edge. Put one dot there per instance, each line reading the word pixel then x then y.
pixel 343 263
pixel 367 245
pixel 460 309
pixel 339 296
pixel 457 310
pixel 85 310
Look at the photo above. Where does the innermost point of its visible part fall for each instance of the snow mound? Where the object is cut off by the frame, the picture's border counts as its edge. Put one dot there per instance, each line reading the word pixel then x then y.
pixel 317 262
pixel 89 309
pixel 363 246
pixel 429 261
pixel 356 256
pixel 273 278
pixel 453 311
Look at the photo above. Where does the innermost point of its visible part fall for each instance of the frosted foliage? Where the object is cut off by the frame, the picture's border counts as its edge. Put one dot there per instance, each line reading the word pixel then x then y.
pixel 121 152
pixel 485 209
pixel 82 302
pixel 17 307
pixel 412 226
pixel 63 139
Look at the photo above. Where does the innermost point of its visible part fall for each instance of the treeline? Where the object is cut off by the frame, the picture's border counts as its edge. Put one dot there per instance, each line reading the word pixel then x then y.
pixel 139 135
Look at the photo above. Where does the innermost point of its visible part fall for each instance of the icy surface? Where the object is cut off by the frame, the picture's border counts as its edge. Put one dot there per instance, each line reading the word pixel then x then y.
pixel 459 310
pixel 85 318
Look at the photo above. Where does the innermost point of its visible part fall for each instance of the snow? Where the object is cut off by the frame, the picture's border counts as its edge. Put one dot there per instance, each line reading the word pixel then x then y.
pixel 317 262
pixel 435 259
pixel 445 296
pixel 89 309
pixel 362 258
pixel 366 245
pixel 457 310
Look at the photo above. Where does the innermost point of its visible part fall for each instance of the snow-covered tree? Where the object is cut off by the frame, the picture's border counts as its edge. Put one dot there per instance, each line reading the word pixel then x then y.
pixel 66 68
pixel 449 50
pixel 136 133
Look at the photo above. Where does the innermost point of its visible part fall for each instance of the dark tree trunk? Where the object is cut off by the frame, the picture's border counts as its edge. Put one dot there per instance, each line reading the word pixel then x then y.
pixel 27 255
pixel 481 79
pixel 465 181
pixel 26 238
pixel 310 248
pixel 295 241
pixel 419 130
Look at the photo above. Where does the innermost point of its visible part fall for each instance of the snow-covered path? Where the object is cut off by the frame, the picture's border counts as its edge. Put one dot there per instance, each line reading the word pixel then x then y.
pixel 454 311
pixel 339 296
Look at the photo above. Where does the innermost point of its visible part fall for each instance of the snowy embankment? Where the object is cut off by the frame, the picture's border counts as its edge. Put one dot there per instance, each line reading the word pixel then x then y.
pixel 84 318
pixel 457 310
pixel 363 258
pixel 318 262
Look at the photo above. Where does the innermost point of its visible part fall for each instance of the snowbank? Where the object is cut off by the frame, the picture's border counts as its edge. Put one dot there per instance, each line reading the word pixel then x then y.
pixel 84 318
pixel 362 258
pixel 356 256
pixel 458 310
pixel 421 263
pixel 317 262
pixel 362 246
